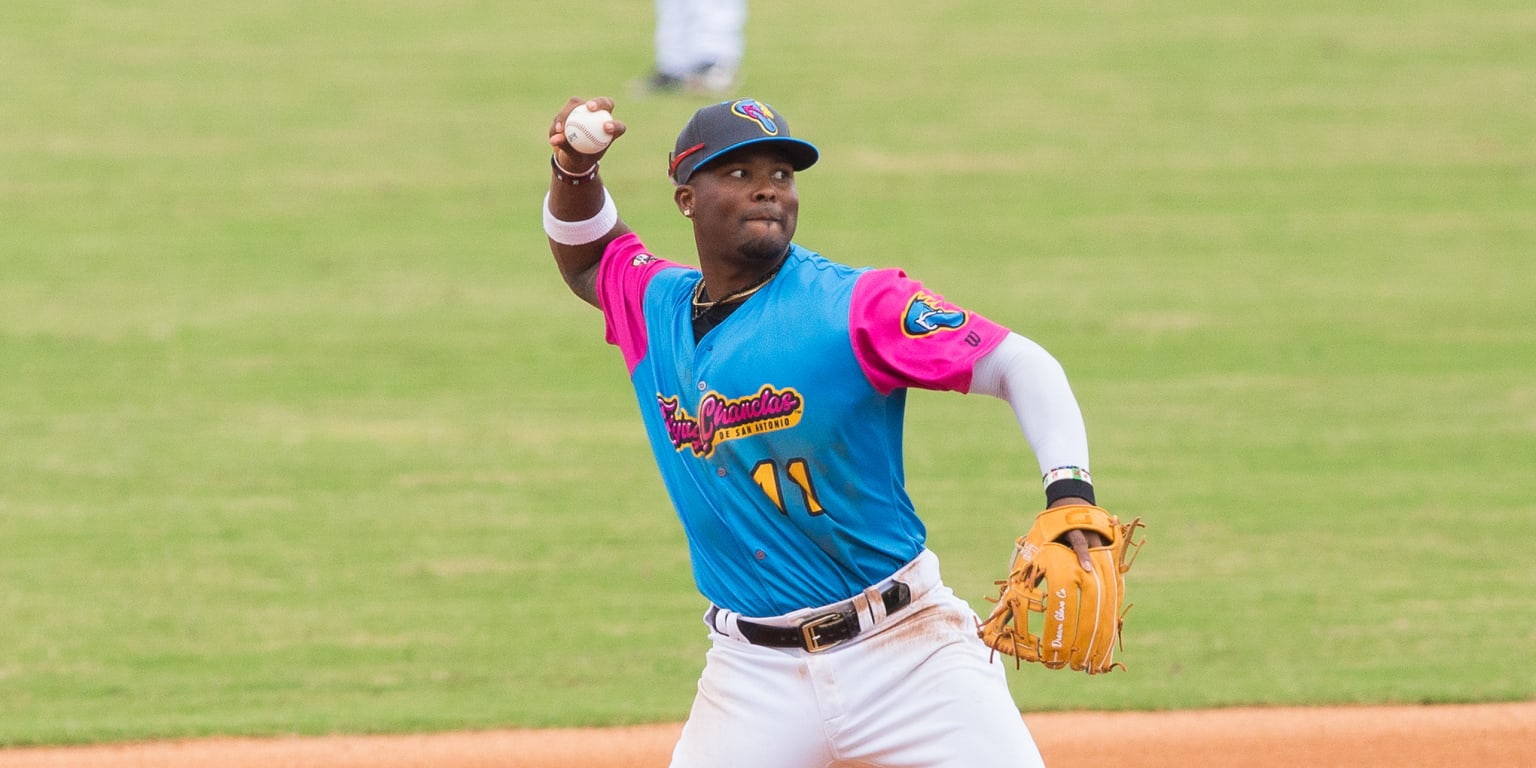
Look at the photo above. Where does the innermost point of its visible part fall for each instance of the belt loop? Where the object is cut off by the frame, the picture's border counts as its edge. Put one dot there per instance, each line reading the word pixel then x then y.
pixel 723 620
pixel 876 603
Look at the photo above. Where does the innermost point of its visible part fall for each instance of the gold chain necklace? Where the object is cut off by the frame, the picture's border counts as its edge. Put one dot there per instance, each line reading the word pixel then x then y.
pixel 700 307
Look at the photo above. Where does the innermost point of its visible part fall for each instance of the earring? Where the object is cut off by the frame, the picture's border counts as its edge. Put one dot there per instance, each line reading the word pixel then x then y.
pixel 688 212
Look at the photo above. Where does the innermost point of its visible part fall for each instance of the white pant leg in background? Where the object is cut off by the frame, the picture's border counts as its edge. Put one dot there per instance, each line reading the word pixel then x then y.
pixel 918 692
pixel 695 33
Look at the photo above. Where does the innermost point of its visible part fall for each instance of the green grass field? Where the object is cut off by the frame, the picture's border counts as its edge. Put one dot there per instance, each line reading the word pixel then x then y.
pixel 300 431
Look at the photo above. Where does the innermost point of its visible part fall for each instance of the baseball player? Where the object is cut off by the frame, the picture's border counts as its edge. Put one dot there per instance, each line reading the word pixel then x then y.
pixel 771 382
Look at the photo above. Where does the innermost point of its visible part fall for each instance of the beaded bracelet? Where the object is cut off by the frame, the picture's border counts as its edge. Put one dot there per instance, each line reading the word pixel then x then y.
pixel 1067 473
pixel 573 179
pixel 1068 481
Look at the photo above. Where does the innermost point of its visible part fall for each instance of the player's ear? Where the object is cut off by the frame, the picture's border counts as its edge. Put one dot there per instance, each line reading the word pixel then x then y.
pixel 683 196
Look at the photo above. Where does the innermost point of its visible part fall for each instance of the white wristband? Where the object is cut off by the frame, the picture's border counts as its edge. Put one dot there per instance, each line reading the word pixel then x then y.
pixel 581 232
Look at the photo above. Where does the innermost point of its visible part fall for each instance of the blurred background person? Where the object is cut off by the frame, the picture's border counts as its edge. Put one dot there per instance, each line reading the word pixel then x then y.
pixel 699 47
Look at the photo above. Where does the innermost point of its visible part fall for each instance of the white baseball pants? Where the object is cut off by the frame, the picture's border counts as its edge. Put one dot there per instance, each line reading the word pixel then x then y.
pixel 918 690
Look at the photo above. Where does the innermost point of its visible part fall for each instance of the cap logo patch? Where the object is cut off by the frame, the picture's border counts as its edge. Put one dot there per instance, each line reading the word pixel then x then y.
pixel 751 109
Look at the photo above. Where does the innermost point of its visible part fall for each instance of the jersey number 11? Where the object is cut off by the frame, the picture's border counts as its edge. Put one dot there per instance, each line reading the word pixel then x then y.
pixel 766 474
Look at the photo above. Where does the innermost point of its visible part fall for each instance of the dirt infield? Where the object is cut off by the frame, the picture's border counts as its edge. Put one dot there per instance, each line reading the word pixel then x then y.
pixel 1485 736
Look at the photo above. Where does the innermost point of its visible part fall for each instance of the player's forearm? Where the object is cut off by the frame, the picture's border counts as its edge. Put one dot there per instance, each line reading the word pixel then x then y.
pixel 579 216
pixel 580 220
pixel 1034 384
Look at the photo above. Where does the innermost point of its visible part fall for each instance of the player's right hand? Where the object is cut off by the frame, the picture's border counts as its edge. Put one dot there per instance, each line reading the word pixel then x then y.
pixel 567 156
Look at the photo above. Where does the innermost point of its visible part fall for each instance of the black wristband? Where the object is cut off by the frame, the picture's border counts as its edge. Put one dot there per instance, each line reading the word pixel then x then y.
pixel 1061 489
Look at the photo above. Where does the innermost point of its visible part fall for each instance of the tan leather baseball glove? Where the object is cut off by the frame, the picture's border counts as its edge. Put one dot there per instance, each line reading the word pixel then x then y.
pixel 1079 611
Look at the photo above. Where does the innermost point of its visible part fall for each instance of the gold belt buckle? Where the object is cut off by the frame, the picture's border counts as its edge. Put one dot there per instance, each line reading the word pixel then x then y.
pixel 808 631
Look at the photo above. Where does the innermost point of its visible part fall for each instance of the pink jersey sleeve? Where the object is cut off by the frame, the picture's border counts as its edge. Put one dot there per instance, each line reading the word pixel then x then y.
pixel 622 276
pixel 907 336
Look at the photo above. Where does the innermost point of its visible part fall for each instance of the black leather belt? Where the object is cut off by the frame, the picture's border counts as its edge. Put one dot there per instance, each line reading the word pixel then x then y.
pixel 820 632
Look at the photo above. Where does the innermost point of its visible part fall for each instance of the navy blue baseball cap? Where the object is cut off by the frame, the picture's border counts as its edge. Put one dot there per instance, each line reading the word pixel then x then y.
pixel 719 128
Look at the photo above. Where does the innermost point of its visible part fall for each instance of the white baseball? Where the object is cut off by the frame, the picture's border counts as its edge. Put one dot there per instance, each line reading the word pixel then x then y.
pixel 585 129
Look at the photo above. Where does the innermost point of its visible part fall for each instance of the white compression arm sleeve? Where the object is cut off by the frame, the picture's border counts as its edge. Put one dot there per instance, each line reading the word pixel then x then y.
pixel 1033 382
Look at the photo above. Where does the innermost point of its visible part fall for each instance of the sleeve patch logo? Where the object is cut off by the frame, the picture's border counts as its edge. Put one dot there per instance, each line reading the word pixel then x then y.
pixel 721 419
pixel 926 315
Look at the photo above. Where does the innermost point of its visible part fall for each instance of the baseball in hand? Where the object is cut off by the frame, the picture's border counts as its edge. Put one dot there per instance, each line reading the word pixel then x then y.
pixel 585 131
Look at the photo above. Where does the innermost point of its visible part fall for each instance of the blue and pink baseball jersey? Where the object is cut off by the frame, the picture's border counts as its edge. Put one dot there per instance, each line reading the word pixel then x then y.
pixel 779 434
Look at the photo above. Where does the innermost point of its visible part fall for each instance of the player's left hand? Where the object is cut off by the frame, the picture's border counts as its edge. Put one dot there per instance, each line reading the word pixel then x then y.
pixel 1080 539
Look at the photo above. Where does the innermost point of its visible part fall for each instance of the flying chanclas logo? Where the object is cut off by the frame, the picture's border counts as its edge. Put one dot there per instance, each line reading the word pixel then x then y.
pixel 927 314
pixel 757 112
pixel 721 419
